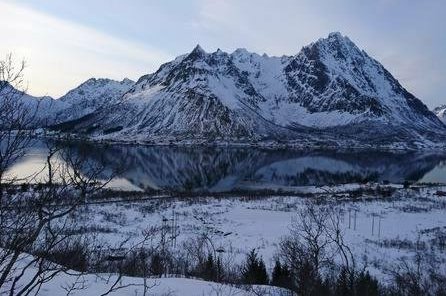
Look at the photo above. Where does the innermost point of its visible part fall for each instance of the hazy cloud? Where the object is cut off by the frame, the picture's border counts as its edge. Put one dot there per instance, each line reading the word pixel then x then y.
pixel 61 54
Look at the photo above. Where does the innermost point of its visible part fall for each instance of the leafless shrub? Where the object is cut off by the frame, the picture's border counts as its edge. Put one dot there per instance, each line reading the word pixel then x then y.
pixel 36 244
pixel 421 274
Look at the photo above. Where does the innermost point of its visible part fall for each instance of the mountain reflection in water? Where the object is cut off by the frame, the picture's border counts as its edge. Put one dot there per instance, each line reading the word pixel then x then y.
pixel 223 169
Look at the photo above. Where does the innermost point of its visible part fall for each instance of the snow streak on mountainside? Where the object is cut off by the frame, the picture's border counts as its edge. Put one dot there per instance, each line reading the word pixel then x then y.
pixel 330 90
pixel 441 113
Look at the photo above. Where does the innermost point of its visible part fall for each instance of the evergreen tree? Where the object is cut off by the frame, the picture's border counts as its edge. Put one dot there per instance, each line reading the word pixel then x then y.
pixel 254 270
pixel 156 265
pixel 281 276
pixel 220 273
pixel 277 275
pixel 307 279
pixel 209 270
pixel 345 284
pixel 366 285
pixel 262 275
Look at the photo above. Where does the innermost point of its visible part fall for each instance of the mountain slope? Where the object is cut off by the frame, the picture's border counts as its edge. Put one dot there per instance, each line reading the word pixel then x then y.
pixel 78 102
pixel 39 109
pixel 330 90
pixel 334 76
pixel 90 96
pixel 187 98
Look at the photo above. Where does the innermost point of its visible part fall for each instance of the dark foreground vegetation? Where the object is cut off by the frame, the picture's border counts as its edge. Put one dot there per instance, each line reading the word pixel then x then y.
pixel 312 260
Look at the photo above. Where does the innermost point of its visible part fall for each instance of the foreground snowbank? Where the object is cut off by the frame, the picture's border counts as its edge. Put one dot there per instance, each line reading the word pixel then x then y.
pixel 79 284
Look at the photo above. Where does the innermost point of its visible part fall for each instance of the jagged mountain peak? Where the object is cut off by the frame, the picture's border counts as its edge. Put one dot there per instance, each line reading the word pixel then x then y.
pixel 39 109
pixel 198 48
pixel 95 87
pixel 7 88
pixel 244 53
pixel 335 34
pixel 241 51
pixel 337 37
pixel 333 74
pixel 94 80
pixel 102 81
pixel 329 75
pixel 197 53
pixel 127 81
pixel 330 85
pixel 336 45
pixel 90 96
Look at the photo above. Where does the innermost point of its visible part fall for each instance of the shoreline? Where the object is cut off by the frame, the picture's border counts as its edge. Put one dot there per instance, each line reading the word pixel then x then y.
pixel 267 145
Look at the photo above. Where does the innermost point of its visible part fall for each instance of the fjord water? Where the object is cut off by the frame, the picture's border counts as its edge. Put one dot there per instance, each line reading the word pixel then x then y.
pixel 219 169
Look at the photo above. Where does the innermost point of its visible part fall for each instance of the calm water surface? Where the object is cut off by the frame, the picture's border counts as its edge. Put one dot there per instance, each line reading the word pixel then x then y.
pixel 224 169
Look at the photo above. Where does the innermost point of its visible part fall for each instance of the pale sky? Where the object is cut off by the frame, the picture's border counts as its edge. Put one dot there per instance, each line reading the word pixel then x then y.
pixel 66 42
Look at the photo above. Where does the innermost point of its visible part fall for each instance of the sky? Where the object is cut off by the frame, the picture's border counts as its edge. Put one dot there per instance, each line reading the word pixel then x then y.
pixel 66 42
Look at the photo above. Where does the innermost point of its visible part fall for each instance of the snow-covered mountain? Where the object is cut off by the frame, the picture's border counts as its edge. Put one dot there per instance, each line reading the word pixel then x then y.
pixel 90 96
pixel 330 90
pixel 441 113
pixel 78 102
pixel 39 109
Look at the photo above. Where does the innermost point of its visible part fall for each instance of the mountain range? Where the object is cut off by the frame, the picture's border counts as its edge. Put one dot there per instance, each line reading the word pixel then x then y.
pixel 77 103
pixel 331 93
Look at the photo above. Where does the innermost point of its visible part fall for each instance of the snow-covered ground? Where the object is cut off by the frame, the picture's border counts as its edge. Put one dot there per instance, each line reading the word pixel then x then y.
pixel 381 225
pixel 375 227
pixel 77 284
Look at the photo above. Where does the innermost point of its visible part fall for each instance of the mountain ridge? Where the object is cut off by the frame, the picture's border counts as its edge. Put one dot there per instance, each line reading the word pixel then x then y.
pixel 329 88
pixel 329 93
pixel 76 103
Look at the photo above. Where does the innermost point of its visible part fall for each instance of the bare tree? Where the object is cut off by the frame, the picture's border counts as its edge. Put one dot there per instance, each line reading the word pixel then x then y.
pixel 15 117
pixel 421 274
pixel 315 246
pixel 36 222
